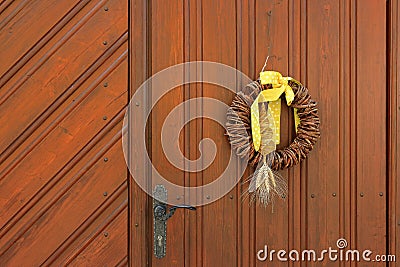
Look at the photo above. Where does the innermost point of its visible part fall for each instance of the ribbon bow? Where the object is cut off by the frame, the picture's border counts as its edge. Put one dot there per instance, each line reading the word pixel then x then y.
pixel 272 96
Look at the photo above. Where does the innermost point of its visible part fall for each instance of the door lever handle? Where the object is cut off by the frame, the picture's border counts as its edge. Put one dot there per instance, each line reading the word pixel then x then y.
pixel 174 208
pixel 161 214
pixel 160 211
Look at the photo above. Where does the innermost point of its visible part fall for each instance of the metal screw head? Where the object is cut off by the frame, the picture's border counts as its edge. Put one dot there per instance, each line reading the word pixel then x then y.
pixel 105 43
pixel 231 196
pixel 105 234
pixel 137 104
pixel 312 195
pixel 381 194
pixel 334 194
pixel 105 159
pixel 136 225
pixel 105 194
pixel 105 8
pixel 361 194
pixel 105 118
pixel 208 197
pixel 105 84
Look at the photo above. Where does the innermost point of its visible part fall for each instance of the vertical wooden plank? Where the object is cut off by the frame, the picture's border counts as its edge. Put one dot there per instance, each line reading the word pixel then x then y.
pixel 353 128
pixel 345 96
pixel 246 60
pixel 303 176
pixel 139 226
pixel 246 64
pixel 193 130
pixel 220 217
pixel 324 162
pixel 394 130
pixel 371 125
pixel 272 221
pixel 167 50
pixel 294 178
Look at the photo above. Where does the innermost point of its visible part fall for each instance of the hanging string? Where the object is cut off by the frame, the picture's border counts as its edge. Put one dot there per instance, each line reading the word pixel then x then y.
pixel 269 41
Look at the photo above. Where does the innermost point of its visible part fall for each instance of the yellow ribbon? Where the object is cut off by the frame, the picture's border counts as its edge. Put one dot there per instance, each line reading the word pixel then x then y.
pixel 272 96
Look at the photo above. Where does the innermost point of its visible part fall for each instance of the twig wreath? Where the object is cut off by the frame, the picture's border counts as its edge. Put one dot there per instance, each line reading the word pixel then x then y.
pixel 253 129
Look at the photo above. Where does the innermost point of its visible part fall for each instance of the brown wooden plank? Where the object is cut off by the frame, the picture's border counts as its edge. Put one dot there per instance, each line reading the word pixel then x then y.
pixel 246 47
pixel 139 243
pixel 353 129
pixel 394 130
pixel 167 50
pixel 272 222
pixel 371 124
pixel 193 29
pixel 294 176
pixel 345 154
pixel 220 217
pixel 324 162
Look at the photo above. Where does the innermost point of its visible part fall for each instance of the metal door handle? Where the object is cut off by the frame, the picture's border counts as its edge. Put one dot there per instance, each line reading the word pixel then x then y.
pixel 161 214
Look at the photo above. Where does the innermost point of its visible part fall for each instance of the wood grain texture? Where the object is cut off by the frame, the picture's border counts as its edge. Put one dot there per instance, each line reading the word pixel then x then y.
pixel 394 130
pixel 324 164
pixel 347 188
pixel 167 50
pixel 63 93
pixel 371 123
pixel 268 231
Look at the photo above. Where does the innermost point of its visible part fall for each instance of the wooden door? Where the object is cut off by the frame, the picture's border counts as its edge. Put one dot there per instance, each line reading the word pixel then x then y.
pixel 63 79
pixel 346 53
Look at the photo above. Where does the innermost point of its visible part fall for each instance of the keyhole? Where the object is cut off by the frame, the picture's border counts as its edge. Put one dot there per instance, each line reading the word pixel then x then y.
pixel 159 240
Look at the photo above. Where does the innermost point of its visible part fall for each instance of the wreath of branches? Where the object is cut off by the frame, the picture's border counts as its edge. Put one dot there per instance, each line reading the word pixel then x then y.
pixel 239 126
